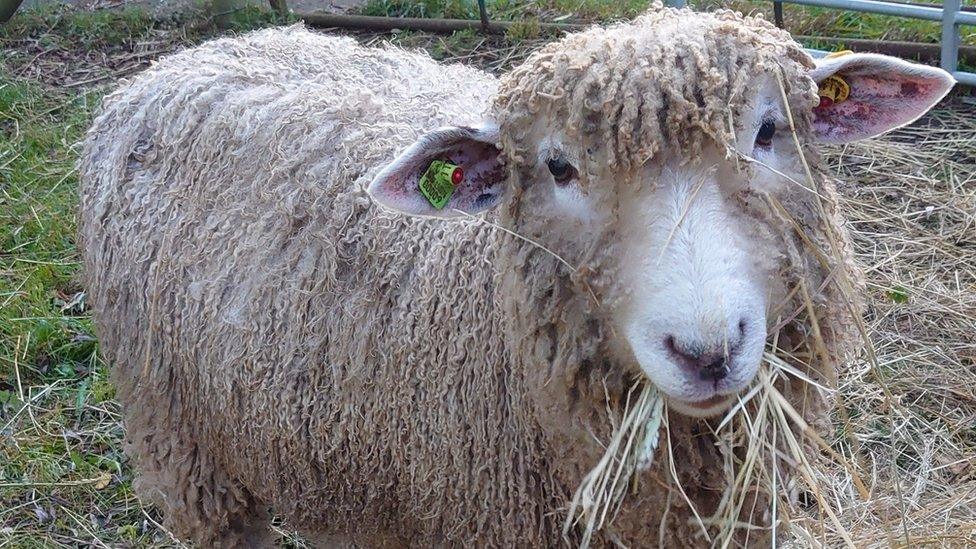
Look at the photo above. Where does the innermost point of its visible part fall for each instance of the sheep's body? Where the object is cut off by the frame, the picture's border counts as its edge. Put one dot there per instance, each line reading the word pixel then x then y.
pixel 296 415
pixel 280 341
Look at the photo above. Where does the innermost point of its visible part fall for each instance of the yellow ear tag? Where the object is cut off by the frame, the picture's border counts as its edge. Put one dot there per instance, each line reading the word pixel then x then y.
pixel 834 89
pixel 840 53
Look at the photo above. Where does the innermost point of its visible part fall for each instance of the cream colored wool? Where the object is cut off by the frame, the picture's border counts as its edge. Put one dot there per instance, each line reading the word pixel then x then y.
pixel 280 341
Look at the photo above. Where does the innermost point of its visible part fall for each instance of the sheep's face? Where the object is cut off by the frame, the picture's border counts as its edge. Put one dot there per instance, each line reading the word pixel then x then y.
pixel 693 270
pixel 648 191
pixel 696 272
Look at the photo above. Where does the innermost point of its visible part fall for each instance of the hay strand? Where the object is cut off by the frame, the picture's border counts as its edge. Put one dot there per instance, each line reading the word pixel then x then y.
pixel 631 449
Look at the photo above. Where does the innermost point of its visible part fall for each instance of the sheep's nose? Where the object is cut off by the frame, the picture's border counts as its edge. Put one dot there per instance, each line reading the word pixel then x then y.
pixel 709 363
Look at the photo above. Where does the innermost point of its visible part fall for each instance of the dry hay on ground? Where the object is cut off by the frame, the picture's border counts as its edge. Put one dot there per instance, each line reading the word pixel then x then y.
pixel 908 417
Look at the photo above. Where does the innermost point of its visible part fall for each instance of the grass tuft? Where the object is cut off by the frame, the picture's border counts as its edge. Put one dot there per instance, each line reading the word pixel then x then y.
pixel 62 476
pixel 511 10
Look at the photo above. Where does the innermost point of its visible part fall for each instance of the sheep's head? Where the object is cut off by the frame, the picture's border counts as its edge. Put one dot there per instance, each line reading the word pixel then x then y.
pixel 634 152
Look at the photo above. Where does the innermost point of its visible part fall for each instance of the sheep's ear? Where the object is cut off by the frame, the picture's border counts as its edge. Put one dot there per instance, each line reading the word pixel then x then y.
pixel 868 94
pixel 472 149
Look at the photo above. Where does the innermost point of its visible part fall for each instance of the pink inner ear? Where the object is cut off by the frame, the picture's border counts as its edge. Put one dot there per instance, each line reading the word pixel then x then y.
pixel 483 176
pixel 875 105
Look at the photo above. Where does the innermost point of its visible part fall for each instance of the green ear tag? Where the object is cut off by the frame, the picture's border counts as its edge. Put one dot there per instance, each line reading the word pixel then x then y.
pixel 439 182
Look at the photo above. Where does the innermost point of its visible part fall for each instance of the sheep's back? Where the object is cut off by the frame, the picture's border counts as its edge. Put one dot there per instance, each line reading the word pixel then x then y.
pixel 247 290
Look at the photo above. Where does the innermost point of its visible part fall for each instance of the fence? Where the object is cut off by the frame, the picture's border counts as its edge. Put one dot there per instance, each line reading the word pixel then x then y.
pixel 950 15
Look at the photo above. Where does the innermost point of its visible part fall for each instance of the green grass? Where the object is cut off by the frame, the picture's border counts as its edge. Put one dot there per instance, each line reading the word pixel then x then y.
pixel 61 26
pixel 799 20
pixel 64 480
pixel 62 475
pixel 510 10
pixel 251 17
pixel 39 296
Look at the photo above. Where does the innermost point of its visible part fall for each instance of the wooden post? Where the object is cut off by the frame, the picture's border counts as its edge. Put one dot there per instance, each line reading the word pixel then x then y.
pixel 223 11
pixel 483 13
pixel 280 6
pixel 8 8
pixel 778 14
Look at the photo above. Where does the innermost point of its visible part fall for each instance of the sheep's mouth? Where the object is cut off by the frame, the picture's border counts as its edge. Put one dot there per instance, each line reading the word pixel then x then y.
pixel 710 406
pixel 710 402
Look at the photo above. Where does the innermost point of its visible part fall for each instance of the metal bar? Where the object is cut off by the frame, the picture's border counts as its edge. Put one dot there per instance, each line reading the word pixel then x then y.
pixel 908 50
pixel 951 16
pixel 890 8
pixel 950 35
pixel 967 78
pixel 778 14
pixel 675 3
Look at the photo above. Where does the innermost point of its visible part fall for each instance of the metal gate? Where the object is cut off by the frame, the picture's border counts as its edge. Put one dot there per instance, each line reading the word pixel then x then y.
pixel 950 15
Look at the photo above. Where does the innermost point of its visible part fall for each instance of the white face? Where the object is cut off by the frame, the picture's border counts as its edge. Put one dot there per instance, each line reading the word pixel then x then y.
pixel 693 313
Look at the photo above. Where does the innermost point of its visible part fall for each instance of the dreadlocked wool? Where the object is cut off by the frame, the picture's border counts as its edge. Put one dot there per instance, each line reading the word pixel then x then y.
pixel 280 341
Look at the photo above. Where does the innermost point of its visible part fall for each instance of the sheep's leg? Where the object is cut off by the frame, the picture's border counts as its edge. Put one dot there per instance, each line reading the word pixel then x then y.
pixel 252 529
pixel 198 499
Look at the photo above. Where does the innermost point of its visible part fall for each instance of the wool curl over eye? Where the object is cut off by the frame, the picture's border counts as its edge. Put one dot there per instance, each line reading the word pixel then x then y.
pixel 664 81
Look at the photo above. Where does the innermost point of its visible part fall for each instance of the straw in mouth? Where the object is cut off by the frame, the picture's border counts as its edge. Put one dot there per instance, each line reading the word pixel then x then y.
pixel 602 491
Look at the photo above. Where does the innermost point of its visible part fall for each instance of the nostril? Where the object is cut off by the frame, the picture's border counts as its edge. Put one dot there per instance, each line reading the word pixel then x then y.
pixel 715 370
pixel 742 328
pixel 685 352
pixel 708 365
pixel 670 345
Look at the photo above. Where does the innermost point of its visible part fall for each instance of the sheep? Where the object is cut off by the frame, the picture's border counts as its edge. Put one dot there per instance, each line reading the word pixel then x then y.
pixel 295 328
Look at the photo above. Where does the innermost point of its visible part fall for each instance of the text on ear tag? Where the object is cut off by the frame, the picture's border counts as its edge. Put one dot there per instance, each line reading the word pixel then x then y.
pixel 834 89
pixel 439 182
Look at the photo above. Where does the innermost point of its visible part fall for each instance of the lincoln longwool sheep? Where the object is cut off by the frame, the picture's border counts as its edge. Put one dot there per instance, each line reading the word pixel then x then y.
pixel 296 329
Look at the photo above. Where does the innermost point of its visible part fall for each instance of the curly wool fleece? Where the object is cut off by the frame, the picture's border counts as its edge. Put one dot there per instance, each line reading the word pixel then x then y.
pixel 278 340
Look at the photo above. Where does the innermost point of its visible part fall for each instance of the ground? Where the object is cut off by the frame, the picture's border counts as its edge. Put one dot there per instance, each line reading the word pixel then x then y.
pixel 907 423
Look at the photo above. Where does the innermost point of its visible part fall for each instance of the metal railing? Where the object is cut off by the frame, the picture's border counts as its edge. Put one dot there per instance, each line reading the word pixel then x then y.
pixel 950 15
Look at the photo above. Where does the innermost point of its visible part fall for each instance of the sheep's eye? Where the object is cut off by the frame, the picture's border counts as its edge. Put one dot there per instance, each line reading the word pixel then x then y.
pixel 561 170
pixel 765 136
